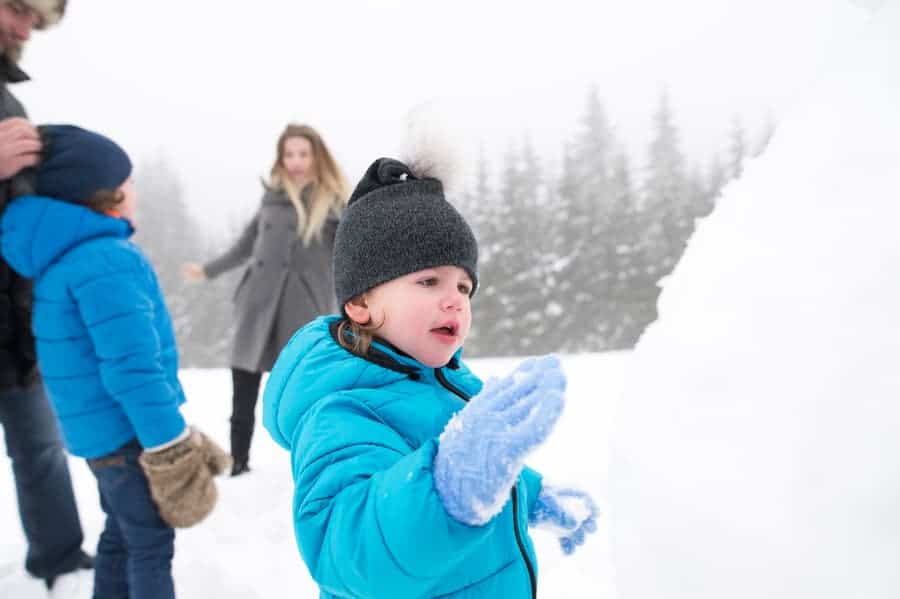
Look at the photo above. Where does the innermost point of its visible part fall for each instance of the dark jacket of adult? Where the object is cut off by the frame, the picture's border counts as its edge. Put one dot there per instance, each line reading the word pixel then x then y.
pixel 285 284
pixel 18 365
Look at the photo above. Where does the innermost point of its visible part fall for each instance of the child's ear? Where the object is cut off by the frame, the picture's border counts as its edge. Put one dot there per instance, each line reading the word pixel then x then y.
pixel 358 310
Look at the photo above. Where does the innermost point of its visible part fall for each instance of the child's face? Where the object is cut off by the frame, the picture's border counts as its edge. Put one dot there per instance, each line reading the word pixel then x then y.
pixel 128 206
pixel 427 314
pixel 298 158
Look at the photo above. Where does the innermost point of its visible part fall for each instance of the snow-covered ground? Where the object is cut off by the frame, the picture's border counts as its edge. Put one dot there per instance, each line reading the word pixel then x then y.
pixel 756 447
pixel 246 547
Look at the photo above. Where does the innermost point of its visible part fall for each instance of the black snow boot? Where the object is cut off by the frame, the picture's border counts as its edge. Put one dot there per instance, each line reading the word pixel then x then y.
pixel 239 467
pixel 85 562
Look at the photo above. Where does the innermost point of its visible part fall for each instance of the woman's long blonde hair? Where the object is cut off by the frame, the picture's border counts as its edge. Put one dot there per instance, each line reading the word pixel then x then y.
pixel 329 187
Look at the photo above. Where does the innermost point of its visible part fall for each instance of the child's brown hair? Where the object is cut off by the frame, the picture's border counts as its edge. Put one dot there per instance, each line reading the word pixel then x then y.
pixel 104 200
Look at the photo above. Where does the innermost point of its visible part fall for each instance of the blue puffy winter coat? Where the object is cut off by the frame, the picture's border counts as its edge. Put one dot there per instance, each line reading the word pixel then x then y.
pixel 363 434
pixel 105 343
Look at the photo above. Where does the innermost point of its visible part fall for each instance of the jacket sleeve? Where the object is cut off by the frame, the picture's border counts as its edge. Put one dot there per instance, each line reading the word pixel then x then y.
pixel 237 253
pixel 118 310
pixel 367 517
pixel 533 484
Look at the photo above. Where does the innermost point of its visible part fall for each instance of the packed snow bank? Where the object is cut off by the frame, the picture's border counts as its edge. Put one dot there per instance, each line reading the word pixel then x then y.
pixel 757 453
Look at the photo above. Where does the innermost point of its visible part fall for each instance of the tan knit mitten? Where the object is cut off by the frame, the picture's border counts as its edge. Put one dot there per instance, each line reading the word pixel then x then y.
pixel 181 478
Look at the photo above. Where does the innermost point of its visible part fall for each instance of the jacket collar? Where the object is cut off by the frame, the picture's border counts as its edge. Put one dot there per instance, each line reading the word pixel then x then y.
pixel 387 355
pixel 10 71
pixel 275 195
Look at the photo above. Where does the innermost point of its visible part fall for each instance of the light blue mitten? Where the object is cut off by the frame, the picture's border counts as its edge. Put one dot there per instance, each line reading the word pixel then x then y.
pixel 570 514
pixel 483 447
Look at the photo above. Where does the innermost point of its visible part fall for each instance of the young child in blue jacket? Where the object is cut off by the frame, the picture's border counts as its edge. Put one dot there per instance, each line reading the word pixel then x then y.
pixel 106 349
pixel 409 474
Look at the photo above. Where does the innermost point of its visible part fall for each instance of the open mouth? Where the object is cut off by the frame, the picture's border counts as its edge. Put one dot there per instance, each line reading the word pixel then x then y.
pixel 447 329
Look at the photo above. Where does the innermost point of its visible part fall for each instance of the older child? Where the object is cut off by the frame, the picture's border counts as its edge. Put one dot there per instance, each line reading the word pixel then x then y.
pixel 385 504
pixel 107 352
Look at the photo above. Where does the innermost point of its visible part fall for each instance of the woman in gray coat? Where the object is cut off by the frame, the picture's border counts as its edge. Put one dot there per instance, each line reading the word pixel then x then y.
pixel 288 280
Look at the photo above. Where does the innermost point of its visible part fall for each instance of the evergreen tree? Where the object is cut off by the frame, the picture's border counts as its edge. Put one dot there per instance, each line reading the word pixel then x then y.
pixel 572 263
pixel 528 285
pixel 564 233
pixel 506 260
pixel 716 179
pixel 477 206
pixel 166 233
pixel 698 206
pixel 169 235
pixel 631 303
pixel 212 310
pixel 668 219
pixel 586 198
pixel 494 326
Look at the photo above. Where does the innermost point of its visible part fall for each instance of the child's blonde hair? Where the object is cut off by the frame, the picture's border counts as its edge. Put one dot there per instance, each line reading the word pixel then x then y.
pixel 329 188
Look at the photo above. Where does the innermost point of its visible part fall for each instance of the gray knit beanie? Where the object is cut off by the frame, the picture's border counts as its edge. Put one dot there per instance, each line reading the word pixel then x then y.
pixel 397 223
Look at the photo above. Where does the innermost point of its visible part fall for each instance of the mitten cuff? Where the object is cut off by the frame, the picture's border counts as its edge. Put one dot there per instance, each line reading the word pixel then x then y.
pixel 181 437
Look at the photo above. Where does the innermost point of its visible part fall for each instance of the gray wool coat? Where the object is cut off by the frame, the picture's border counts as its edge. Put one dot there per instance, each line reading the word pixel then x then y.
pixel 285 284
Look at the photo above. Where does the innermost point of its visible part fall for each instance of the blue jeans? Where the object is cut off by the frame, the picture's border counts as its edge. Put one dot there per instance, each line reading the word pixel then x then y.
pixel 134 554
pixel 43 487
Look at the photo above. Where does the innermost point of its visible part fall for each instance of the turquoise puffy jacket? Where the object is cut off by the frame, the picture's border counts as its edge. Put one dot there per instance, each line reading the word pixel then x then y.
pixel 363 434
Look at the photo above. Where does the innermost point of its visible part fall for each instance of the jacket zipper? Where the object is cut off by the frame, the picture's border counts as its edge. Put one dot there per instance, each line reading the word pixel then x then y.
pixel 515 500
pixel 439 375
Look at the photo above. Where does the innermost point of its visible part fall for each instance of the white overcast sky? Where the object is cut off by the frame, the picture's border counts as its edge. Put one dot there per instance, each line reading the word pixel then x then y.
pixel 210 84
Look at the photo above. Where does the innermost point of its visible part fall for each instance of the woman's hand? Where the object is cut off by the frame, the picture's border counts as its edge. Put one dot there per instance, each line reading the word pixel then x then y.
pixel 193 272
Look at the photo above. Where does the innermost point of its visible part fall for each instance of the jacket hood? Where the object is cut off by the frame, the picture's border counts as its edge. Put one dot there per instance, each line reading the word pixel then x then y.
pixel 36 231
pixel 313 365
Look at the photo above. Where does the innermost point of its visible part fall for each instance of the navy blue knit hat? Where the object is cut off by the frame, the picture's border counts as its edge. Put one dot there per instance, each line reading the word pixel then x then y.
pixel 395 224
pixel 76 163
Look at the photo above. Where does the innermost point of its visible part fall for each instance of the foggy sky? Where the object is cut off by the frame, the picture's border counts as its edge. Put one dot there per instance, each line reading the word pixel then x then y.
pixel 210 85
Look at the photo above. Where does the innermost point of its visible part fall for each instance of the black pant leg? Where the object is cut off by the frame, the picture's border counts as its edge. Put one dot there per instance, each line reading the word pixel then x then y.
pixel 243 417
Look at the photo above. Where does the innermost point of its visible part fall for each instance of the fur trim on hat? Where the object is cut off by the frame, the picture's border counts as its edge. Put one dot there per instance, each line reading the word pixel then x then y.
pixel 50 11
pixel 431 149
